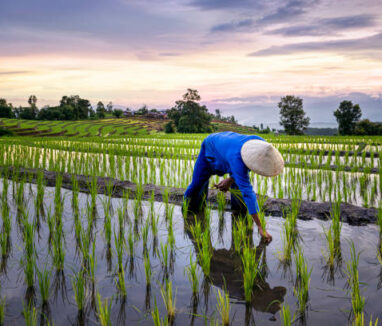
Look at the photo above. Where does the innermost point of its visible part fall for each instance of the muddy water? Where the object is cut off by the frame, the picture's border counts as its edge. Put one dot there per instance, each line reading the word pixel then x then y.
pixel 329 300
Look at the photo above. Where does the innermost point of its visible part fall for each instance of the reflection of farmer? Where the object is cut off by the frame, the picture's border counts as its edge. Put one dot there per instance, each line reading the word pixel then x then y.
pixel 236 154
pixel 226 272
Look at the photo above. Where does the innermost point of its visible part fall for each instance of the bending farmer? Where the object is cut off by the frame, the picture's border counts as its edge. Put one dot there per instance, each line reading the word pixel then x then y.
pixel 236 154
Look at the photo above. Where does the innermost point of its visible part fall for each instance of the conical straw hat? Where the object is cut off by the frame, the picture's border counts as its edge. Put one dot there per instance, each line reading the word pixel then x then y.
pixel 262 158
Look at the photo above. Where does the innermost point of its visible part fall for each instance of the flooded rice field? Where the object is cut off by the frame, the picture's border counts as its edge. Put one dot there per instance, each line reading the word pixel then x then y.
pixel 67 254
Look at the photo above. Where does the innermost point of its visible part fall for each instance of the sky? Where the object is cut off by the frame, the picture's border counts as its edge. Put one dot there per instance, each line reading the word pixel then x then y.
pixel 241 55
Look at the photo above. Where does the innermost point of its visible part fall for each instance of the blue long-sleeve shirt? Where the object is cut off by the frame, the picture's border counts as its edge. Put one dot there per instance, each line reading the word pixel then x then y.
pixel 222 151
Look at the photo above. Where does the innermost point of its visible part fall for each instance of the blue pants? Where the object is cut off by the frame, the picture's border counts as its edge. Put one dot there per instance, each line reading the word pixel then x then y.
pixel 197 192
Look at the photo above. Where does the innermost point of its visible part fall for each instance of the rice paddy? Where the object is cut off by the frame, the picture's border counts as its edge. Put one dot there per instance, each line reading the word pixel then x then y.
pixel 70 257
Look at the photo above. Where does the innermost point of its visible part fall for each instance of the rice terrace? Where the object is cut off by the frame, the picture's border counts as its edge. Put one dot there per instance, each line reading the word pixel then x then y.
pixel 191 162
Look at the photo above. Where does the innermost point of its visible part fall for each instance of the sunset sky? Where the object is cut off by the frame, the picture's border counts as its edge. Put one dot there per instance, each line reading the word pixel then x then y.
pixel 241 55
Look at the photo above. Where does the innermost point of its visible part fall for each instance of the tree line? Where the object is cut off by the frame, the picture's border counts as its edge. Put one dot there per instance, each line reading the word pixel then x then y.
pixel 294 120
pixel 70 108
pixel 189 116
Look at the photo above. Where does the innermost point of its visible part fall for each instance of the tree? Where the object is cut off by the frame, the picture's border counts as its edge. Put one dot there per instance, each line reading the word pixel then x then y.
pixel 292 115
pixel 5 109
pixel 100 110
pixel 32 100
pixel 189 116
pixel 169 127
pixel 117 113
pixel 81 107
pixel 347 115
pixel 143 110
pixel 109 107
pixel 368 128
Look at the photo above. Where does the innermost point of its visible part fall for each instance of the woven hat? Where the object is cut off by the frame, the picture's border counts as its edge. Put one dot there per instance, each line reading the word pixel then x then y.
pixel 262 158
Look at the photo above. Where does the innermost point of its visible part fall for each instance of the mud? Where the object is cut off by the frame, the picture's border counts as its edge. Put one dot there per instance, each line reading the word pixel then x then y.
pixel 354 215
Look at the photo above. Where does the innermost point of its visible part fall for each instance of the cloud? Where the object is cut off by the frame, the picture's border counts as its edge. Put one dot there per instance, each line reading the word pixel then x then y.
pixel 328 26
pixel 15 72
pixel 371 43
pixel 225 4
pixel 242 25
pixel 290 10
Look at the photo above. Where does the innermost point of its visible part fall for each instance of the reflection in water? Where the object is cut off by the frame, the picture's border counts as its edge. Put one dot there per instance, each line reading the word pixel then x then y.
pixel 226 273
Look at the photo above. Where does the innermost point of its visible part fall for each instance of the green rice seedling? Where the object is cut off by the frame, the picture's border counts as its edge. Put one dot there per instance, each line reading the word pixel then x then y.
pixel 301 289
pixel 154 224
pixel 335 214
pixel 145 234
pixel 40 192
pixel 169 300
pixel 120 282
pixel 119 246
pixel 223 307
pixel 103 311
pixel 193 276
pixel 288 241
pixel 138 200
pixel 30 315
pixel 130 241
pixel 196 231
pixel 360 321
pixel 44 278
pixel 58 250
pixel 205 254
pixel 239 234
pixel 287 319
pixel 107 227
pixel 79 289
pixel 92 263
pixel 156 317
pixel 358 301
pixel 2 310
pixel 250 271
pixel 148 271
pixel 29 252
pixel 163 256
pixel 185 206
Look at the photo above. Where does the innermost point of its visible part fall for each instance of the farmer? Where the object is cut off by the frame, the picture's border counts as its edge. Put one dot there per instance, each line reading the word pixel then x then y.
pixel 236 154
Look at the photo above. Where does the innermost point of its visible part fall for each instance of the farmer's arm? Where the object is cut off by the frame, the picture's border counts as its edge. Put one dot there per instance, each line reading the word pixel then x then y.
pixel 241 177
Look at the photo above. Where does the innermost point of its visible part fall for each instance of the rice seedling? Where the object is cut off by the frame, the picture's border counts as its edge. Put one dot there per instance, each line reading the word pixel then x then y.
pixel 205 253
pixel 148 271
pixel 250 271
pixel 44 278
pixel 360 321
pixel 223 307
pixel 358 301
pixel 156 317
pixel 288 237
pixel 79 289
pixel 2 310
pixel 145 234
pixel 30 315
pixel 193 276
pixel 58 249
pixel 221 203
pixel 287 319
pixel 92 264
pixel 120 282
pixel 169 300
pixel 130 241
pixel 239 234
pixel 301 289
pixel 103 311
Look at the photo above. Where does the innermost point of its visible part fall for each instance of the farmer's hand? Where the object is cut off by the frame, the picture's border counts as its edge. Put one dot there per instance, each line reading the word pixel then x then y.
pixel 225 184
pixel 265 235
